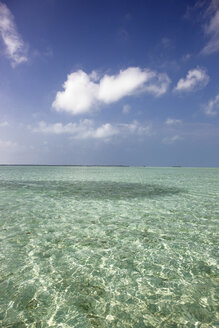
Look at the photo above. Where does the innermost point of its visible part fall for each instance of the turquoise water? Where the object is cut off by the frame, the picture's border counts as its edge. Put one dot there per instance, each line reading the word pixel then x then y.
pixel 108 247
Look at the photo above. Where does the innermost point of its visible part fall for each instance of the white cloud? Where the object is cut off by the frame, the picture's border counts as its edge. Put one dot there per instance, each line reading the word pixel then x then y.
pixel 159 85
pixel 114 87
pixel 82 130
pixel 15 47
pixel 212 30
pixel 126 109
pixel 171 140
pixel 86 129
pixel 195 79
pixel 83 92
pixel 212 108
pixel 104 131
pixel 4 124
pixel 135 128
pixel 172 121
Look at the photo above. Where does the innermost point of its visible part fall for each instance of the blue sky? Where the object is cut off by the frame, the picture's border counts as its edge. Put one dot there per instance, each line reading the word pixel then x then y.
pixel 109 82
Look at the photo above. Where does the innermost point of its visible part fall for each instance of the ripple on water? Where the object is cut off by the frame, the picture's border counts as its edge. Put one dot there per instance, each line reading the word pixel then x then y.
pixel 128 247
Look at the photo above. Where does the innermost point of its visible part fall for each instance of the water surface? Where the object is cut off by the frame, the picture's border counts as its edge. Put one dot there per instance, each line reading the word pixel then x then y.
pixel 108 247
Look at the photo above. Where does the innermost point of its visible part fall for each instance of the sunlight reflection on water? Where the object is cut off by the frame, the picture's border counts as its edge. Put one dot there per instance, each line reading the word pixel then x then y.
pixel 108 247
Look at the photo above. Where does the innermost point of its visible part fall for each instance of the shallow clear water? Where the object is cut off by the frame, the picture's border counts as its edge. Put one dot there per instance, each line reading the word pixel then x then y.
pixel 108 247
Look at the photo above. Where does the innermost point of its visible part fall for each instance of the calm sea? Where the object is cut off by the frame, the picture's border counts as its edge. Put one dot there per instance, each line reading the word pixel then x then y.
pixel 108 247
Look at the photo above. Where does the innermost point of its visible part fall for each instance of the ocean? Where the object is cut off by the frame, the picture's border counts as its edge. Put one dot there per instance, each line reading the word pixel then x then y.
pixel 108 247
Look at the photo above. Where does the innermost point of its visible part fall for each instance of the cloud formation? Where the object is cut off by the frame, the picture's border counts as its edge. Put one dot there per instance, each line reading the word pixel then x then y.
pixel 86 129
pixel 212 31
pixel 83 130
pixel 15 47
pixel 212 108
pixel 83 92
pixel 195 79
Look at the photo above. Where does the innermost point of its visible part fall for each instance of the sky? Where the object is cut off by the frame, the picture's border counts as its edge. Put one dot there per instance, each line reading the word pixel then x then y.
pixel 109 82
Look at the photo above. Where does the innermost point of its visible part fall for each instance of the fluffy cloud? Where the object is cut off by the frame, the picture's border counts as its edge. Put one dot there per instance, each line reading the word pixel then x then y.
pixel 195 79
pixel 86 129
pixel 212 107
pixel 82 91
pixel 172 121
pixel 114 87
pixel 15 47
pixel 212 30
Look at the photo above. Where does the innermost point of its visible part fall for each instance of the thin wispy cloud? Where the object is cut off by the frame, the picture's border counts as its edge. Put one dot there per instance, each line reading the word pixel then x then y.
pixel 186 57
pixel 195 79
pixel 3 124
pixel 171 140
pixel 212 32
pixel 8 145
pixel 15 48
pixel 83 130
pixel 172 121
pixel 212 108
pixel 83 92
pixel 126 109
pixel 207 13
pixel 87 129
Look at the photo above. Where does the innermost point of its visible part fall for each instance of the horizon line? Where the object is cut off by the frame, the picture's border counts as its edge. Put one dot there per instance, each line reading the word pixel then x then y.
pixel 108 165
